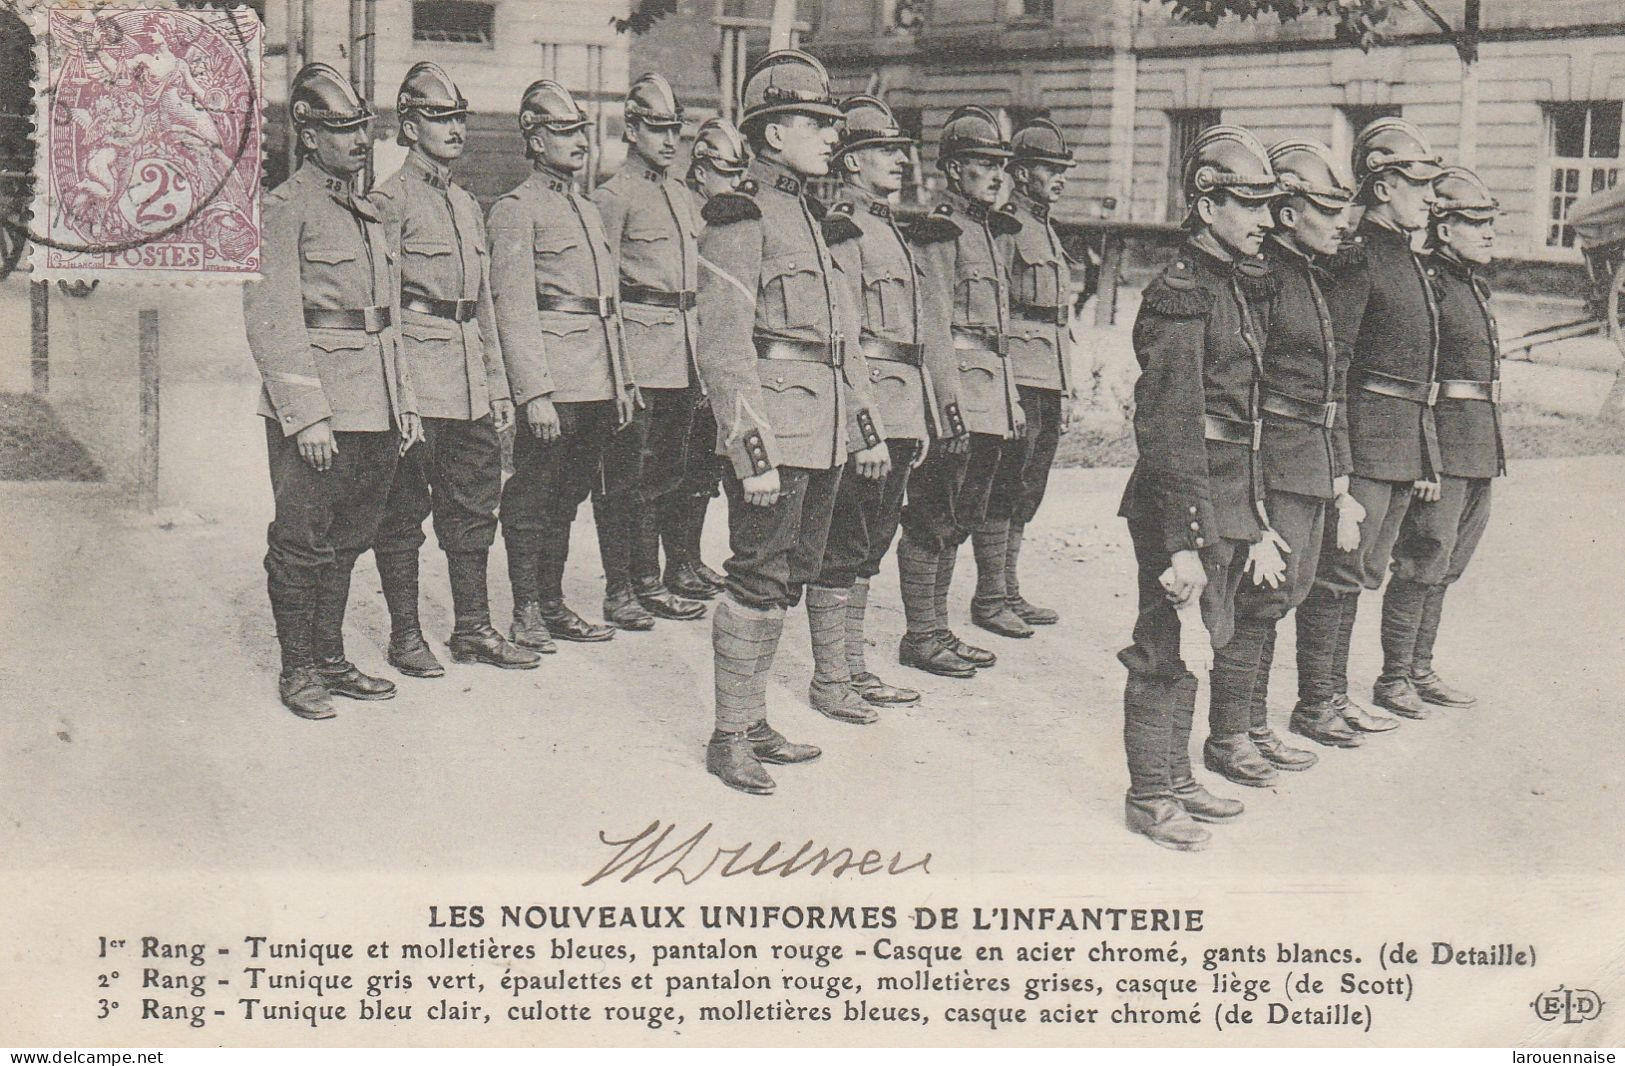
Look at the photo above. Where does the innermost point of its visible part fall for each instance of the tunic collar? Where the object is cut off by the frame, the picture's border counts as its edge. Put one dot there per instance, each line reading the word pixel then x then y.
pixel 972 209
pixel 556 180
pixel 771 174
pixel 879 206
pixel 1038 210
pixel 645 169
pixel 428 171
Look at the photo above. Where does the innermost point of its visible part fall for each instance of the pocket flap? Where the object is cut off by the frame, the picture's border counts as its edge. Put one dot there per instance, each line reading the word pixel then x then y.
pixel 422 331
pixel 427 248
pixel 328 255
pixel 554 243
pixel 331 341
pixel 566 325
pixel 778 383
pixel 781 266
pixel 645 315
pixel 647 234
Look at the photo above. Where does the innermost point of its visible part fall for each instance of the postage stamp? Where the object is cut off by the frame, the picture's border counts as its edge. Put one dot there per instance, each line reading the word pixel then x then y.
pixel 150 127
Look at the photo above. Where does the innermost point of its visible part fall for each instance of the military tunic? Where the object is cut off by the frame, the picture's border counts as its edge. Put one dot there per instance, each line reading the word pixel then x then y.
pixel 553 283
pixel 449 342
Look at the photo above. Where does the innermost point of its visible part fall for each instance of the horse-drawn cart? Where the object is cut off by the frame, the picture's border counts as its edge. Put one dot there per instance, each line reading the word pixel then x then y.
pixel 1599 223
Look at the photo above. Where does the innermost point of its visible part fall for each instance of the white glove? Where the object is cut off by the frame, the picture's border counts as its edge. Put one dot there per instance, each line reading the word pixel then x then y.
pixel 1266 560
pixel 1195 643
pixel 1350 513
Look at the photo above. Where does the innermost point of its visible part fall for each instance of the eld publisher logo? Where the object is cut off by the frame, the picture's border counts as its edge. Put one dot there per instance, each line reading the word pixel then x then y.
pixel 1571 1006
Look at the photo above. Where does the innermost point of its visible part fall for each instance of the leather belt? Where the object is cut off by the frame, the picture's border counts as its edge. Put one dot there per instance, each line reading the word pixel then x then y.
pixel 893 351
pixel 830 353
pixel 998 344
pixel 1323 415
pixel 1487 391
pixel 601 306
pixel 653 297
pixel 1049 314
pixel 456 310
pixel 371 319
pixel 1232 430
pixel 1380 384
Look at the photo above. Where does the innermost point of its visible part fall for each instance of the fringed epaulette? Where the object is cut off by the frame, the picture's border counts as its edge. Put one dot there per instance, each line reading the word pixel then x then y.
pixel 1004 222
pixel 1177 294
pixel 934 228
pixel 736 206
pixel 838 225
pixel 1352 256
pixel 1258 281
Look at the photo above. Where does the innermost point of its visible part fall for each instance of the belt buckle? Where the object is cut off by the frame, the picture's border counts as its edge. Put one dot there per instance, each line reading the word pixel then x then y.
pixel 687 300
pixel 1495 391
pixel 374 319
pixel 1433 393
pixel 604 306
pixel 1258 433
pixel 1060 314
pixel 1001 346
pixel 465 310
pixel 1329 415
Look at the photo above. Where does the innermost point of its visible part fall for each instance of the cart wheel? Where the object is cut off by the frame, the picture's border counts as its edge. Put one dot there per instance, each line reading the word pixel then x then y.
pixel 78 288
pixel 1616 306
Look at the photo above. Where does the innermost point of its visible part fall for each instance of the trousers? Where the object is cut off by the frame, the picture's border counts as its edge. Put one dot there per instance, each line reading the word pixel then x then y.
pixel 454 474
pixel 778 549
pixel 867 514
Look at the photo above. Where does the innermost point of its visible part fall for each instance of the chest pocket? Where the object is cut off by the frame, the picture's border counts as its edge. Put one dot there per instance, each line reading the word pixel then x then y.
pixel 327 255
pixel 427 248
pixel 793 293
pixel 887 306
pixel 1038 277
pixel 976 297
pixel 553 248
pixel 648 235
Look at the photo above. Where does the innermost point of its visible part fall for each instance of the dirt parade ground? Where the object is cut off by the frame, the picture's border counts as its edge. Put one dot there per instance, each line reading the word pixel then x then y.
pixel 139 668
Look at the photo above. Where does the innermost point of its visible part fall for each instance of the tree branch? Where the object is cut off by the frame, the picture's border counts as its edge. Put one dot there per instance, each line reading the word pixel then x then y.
pixel 1438 20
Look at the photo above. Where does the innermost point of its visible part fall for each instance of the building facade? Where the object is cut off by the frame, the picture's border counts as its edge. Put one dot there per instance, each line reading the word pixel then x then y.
pixel 1132 88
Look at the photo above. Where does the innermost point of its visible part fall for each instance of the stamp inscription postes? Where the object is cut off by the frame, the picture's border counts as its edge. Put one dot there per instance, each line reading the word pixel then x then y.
pixel 152 129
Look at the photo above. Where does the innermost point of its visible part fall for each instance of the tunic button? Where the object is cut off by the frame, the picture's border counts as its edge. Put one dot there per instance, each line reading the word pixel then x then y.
pixel 1200 543
pixel 778 381
pixel 1196 527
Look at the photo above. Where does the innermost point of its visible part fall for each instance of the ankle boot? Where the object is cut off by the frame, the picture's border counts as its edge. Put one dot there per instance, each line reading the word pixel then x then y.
pixel 338 674
pixel 1429 685
pixel 990 606
pixel 1402 606
pixel 770 746
pixel 1152 707
pixel 980 658
pixel 922 647
pixel 732 758
pixel 1323 723
pixel 1163 820
pixel 743 641
pixel 1204 806
pixel 408 651
pixel 831 692
pixel 530 630
pixel 1276 751
pixel 1233 756
pixel 869 686
pixel 1360 718
pixel 1032 614
pixel 1318 620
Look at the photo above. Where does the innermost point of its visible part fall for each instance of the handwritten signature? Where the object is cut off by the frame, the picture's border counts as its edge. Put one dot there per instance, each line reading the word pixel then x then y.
pixel 646 852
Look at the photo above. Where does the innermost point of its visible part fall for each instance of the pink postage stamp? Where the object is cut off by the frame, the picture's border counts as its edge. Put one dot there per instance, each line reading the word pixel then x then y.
pixel 150 124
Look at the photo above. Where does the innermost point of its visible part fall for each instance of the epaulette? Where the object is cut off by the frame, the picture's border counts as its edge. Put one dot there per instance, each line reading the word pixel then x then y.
pixel 1351 256
pixel 838 225
pixel 1177 294
pixel 1004 222
pixel 934 228
pixel 736 206
pixel 1257 281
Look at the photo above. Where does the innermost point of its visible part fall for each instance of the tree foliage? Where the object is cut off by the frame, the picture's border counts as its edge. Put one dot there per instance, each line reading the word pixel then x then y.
pixel 1360 21
pixel 645 13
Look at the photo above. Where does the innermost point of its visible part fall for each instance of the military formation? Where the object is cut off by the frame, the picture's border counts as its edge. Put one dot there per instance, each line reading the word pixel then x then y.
pixel 1316 407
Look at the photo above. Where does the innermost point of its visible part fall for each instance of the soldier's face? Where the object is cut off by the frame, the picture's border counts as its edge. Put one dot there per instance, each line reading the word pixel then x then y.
pixel 1238 224
pixel 879 170
pixel 1408 201
pixel 980 178
pixel 1042 182
pixel 565 152
pixel 713 181
pixel 339 151
pixel 1473 242
pixel 804 143
pixel 1315 229
pixel 441 139
pixel 656 144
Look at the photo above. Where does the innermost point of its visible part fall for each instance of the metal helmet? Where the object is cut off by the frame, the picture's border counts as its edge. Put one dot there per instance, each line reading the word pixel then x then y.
pixel 1305 168
pixel 720 146
pixel 788 81
pixel 1393 144
pixel 1462 194
pixel 972 130
pixel 430 92
pixel 652 102
pixel 870 124
pixel 1041 141
pixel 549 105
pixel 321 96
pixel 1229 159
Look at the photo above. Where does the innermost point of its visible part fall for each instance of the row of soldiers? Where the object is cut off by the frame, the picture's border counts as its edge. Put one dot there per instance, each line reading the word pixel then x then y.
pixel 840 374
pixel 1316 408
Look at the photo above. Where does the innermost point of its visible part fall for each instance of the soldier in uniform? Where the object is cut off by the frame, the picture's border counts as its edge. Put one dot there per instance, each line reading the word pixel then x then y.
pixel 968 311
pixel 717 164
pixel 864 238
pixel 553 281
pixel 1193 503
pixel 1444 524
pixel 337 398
pixel 1040 310
pixel 449 343
pixel 774 364
pixel 653 224
pixel 1385 322
pixel 1303 452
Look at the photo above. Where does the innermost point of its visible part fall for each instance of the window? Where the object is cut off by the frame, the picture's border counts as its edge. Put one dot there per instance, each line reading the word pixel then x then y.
pixel 1184 126
pixel 902 18
pixel 1582 146
pixel 1031 10
pixel 453 22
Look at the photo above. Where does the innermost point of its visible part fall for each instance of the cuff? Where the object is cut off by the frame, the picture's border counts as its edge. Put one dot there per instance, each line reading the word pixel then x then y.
pixel 298 407
pixel 752 454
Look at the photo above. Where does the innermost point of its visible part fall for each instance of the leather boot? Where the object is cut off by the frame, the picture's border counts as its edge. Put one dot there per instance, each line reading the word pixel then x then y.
pixel 1323 723
pixel 1360 718
pixel 1318 620
pixel 1150 707
pixel 1233 756
pixel 868 685
pixel 524 564
pixel 1402 605
pixel 732 757
pixel 338 674
pixel 623 610
pixel 1204 806
pixel 1429 685
pixel 980 658
pixel 1164 820
pixel 661 603
pixel 564 624
pixel 342 678
pixel 529 630
pixel 303 693
pixel 990 606
pixel 293 610
pixel 473 640
pixel 1234 676
pixel 690 533
pixel 1198 802
pixel 831 693
pixel 743 642
pixel 408 651
pixel 921 646
pixel 1030 613
pixel 771 747
pixel 1276 751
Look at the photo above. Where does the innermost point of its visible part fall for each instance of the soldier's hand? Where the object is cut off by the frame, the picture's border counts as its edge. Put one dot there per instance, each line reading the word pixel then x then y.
pixel 1427 491
pixel 874 463
pixel 1350 513
pixel 411 431
pixel 1018 424
pixel 957 445
pixel 1340 485
pixel 1185 579
pixel 626 406
pixel 317 445
pixel 1266 560
pixel 919 454
pixel 502 415
pixel 762 490
pixel 543 419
